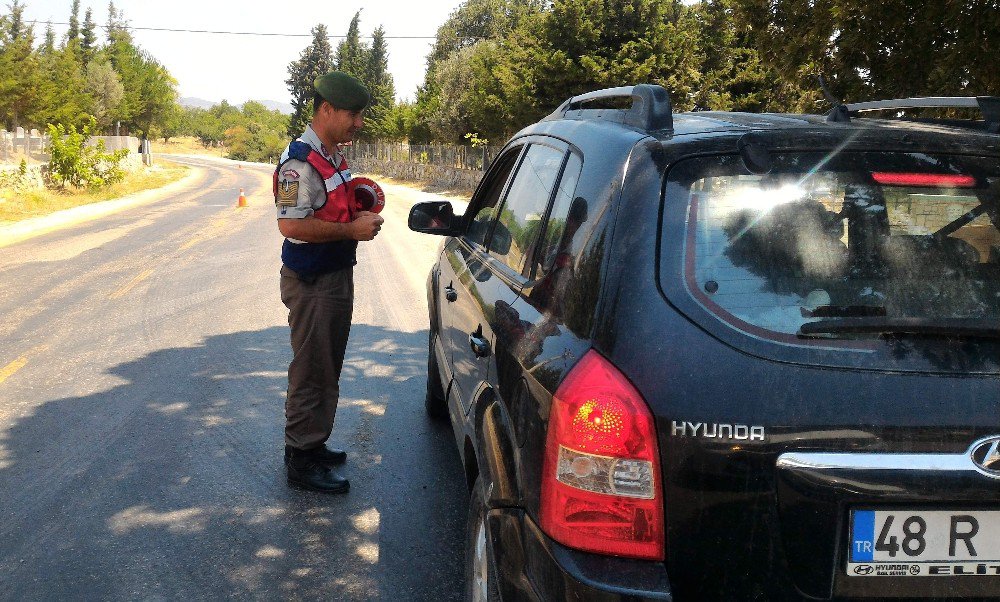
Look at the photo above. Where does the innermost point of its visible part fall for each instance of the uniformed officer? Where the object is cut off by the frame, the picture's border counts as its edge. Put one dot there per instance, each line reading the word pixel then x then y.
pixel 322 226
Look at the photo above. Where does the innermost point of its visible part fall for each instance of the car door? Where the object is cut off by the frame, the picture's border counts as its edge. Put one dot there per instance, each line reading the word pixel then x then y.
pixel 461 265
pixel 488 274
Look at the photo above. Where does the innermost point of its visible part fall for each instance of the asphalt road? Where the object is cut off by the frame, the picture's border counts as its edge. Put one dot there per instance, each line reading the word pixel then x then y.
pixel 142 383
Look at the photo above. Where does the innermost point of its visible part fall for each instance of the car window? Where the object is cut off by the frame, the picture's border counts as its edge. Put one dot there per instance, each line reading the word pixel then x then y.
pixel 565 218
pixel 520 219
pixel 485 206
pixel 863 237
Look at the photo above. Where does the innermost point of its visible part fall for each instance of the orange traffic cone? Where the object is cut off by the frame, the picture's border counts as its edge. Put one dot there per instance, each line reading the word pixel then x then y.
pixel 243 199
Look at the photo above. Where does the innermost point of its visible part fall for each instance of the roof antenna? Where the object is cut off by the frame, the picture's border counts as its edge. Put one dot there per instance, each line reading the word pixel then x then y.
pixel 839 111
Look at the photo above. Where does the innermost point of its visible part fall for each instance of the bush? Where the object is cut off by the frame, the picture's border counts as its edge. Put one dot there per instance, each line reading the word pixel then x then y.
pixel 19 179
pixel 254 142
pixel 75 163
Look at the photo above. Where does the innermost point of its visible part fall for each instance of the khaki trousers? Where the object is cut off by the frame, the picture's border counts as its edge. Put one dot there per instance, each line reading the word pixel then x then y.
pixel 319 314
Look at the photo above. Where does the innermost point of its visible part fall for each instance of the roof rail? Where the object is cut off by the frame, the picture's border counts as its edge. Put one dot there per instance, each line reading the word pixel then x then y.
pixel 989 105
pixel 650 111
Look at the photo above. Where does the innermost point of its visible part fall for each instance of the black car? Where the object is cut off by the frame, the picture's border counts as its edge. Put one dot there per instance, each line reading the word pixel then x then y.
pixel 726 356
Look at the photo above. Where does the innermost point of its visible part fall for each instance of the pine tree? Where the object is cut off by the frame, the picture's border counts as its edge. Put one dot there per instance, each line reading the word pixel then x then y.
pixel 88 38
pixel 379 81
pixel 49 44
pixel 315 60
pixel 19 74
pixel 74 22
pixel 16 27
pixel 117 28
pixel 351 53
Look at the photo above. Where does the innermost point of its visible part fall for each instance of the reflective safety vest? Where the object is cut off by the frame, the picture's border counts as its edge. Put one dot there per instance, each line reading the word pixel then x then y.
pixel 340 204
pixel 307 259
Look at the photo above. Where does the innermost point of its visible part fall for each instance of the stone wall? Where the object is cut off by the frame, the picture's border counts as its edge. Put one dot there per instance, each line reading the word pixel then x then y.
pixel 35 145
pixel 35 175
pixel 450 178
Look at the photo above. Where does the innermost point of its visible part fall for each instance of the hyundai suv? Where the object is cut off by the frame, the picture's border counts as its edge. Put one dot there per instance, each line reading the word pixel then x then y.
pixel 726 356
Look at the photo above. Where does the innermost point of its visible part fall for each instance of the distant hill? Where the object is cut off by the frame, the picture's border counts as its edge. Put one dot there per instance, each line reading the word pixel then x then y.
pixel 196 103
pixel 201 103
pixel 276 105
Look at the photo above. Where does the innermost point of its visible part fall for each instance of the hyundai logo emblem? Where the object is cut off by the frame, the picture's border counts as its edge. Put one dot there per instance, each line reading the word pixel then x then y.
pixel 986 456
pixel 864 569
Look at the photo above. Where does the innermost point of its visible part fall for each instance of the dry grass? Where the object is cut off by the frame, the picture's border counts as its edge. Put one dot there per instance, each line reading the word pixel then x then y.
pixel 16 206
pixel 185 145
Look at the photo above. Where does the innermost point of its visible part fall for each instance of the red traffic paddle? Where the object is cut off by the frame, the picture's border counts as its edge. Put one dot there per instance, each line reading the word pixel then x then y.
pixel 368 196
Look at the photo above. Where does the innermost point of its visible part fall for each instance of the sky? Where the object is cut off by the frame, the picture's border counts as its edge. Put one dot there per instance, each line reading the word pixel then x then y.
pixel 244 67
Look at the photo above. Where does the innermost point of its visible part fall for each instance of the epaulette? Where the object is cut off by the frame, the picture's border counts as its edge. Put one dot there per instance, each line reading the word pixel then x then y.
pixel 299 150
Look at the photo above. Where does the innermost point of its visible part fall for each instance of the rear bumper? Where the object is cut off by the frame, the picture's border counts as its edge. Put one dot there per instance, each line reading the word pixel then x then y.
pixel 531 566
pixel 817 492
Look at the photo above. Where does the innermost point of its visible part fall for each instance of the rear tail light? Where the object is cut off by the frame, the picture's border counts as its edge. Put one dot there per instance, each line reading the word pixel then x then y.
pixel 928 180
pixel 600 482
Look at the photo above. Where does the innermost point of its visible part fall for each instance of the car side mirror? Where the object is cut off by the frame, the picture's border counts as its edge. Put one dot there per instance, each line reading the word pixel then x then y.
pixel 435 217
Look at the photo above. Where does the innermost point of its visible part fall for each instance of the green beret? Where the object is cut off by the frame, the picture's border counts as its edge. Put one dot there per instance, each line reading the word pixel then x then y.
pixel 343 91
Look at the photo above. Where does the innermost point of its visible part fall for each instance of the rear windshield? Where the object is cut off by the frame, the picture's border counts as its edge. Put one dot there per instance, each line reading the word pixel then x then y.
pixel 846 247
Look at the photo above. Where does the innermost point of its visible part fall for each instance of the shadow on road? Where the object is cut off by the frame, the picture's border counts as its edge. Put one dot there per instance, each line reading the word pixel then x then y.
pixel 171 484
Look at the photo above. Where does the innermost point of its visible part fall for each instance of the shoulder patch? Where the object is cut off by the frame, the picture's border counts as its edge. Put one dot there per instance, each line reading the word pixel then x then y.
pixel 290 174
pixel 288 193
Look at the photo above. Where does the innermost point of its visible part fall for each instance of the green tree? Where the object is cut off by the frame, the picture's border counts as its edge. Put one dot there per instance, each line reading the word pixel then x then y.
pixel 117 29
pixel 873 50
pixel 106 91
pixel 473 22
pixel 582 45
pixel 62 90
pixel 478 20
pixel 315 60
pixel 452 76
pixel 205 126
pixel 170 124
pixel 258 136
pixel 49 42
pixel 149 89
pixel 351 54
pixel 734 78
pixel 88 38
pixel 379 82
pixel 79 164
pixel 73 32
pixel 397 124
pixel 19 74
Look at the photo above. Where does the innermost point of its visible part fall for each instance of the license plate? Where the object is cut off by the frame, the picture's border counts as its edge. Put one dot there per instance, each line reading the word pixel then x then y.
pixel 924 543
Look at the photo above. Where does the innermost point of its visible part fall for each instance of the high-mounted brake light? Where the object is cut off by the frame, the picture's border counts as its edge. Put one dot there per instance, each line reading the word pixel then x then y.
pixel 600 482
pixel 929 180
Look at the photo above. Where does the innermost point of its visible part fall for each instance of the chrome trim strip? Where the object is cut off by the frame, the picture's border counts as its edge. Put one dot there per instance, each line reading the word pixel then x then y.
pixel 872 461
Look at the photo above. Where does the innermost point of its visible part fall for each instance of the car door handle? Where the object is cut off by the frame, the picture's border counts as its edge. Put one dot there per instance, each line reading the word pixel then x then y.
pixel 450 293
pixel 480 346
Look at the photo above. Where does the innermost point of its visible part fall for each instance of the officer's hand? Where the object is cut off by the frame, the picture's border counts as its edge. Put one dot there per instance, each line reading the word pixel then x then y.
pixel 366 225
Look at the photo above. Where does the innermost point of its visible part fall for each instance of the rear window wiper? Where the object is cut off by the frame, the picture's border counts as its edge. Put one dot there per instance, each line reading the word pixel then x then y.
pixel 843 311
pixel 937 327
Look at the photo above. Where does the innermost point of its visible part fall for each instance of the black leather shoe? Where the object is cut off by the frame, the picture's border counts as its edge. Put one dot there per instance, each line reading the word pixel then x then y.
pixel 329 457
pixel 306 472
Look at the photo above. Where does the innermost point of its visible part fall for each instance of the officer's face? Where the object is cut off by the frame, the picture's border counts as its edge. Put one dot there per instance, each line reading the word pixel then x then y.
pixel 341 125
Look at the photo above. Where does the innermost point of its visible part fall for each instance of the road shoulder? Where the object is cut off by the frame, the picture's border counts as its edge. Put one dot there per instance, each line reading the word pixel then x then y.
pixel 43 224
